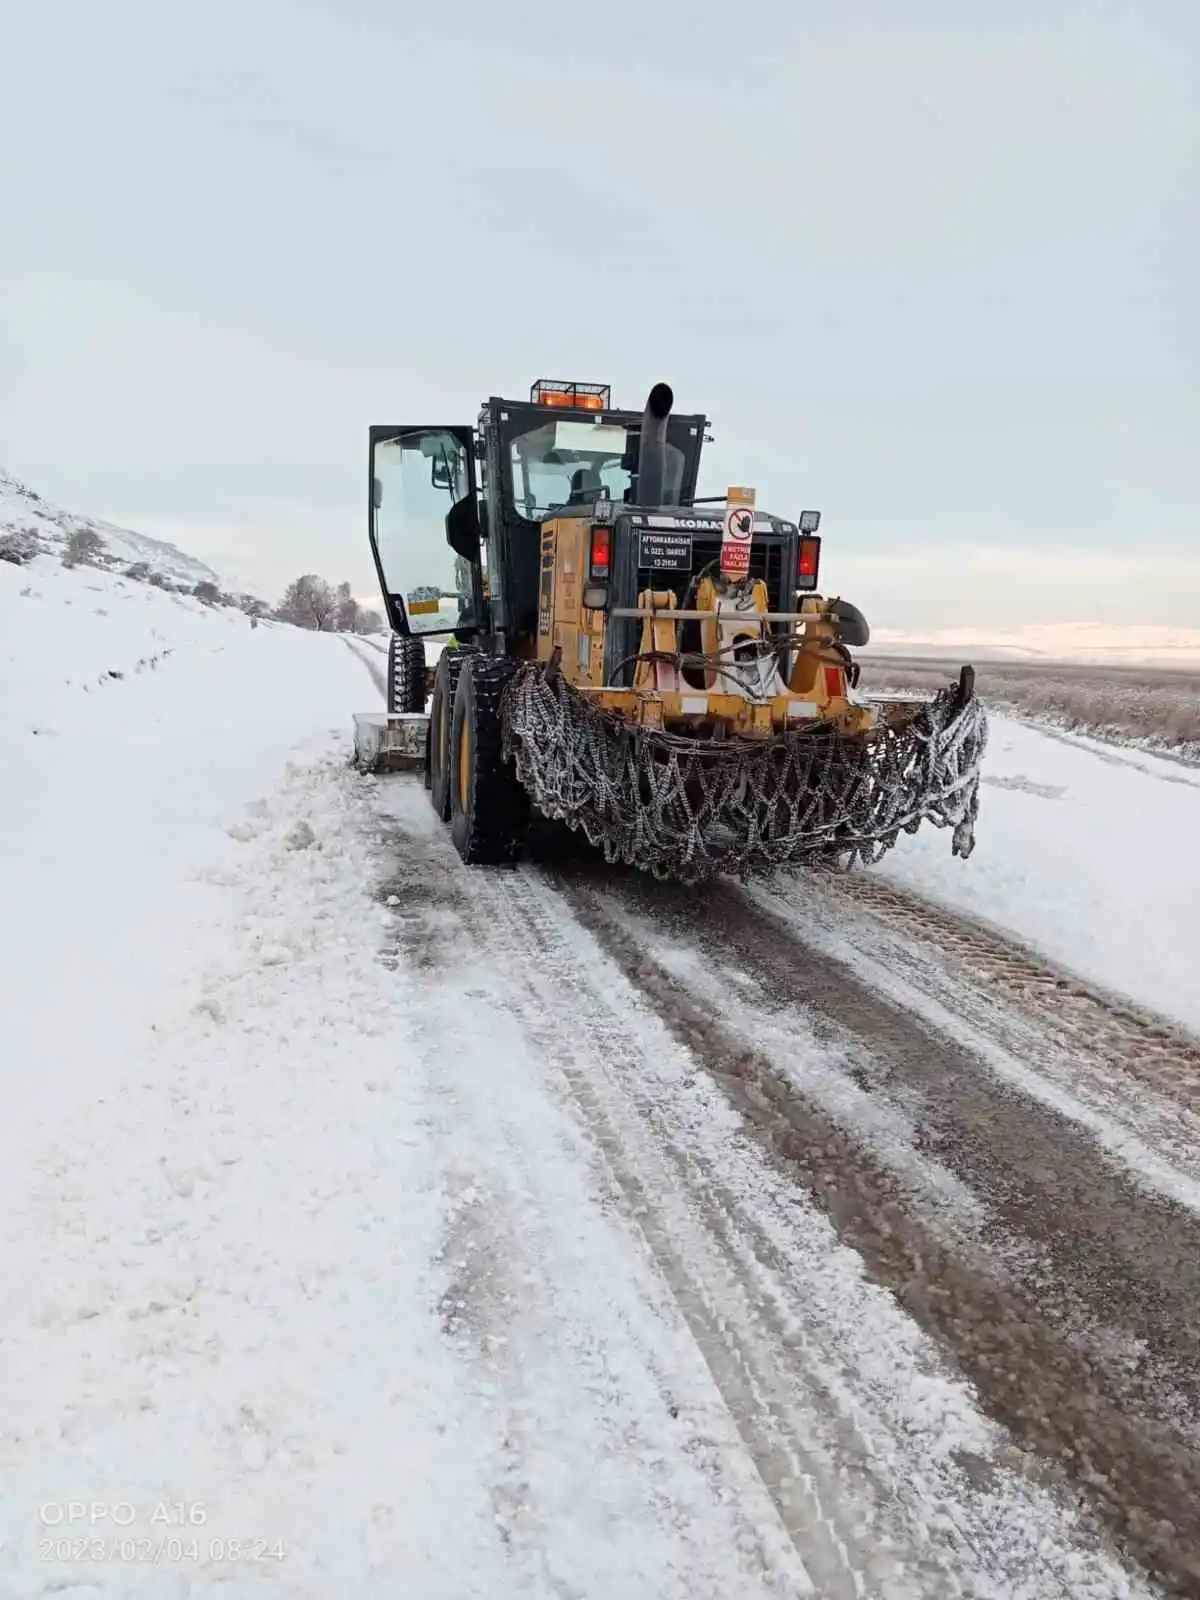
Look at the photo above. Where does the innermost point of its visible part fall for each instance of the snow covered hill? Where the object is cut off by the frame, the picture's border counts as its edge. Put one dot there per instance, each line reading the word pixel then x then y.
pixel 31 523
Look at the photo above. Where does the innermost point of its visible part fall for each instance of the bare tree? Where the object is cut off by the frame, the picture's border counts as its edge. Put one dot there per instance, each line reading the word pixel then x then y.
pixel 17 547
pixel 309 602
pixel 83 546
pixel 370 622
pixel 347 610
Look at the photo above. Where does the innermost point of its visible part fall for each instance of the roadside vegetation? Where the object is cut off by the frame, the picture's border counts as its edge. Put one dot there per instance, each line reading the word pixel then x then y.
pixel 308 602
pixel 1157 709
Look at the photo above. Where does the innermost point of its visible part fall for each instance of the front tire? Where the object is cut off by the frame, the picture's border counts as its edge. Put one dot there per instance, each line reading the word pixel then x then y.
pixel 489 809
pixel 405 673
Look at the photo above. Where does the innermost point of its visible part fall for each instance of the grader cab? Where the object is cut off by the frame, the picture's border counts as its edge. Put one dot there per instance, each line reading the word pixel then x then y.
pixel 595 644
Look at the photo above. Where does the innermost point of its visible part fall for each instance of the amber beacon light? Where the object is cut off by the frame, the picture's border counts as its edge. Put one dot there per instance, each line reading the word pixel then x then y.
pixel 575 396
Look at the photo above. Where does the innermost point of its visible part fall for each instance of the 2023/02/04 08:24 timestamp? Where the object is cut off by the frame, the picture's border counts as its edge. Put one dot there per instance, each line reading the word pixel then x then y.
pixel 77 1530
pixel 158 1549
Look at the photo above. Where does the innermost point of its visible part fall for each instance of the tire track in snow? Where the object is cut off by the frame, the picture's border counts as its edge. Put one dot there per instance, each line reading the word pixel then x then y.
pixel 1093 1360
pixel 448 924
pixel 1110 753
pixel 1057 1039
pixel 1126 1036
pixel 877 1500
pixel 378 676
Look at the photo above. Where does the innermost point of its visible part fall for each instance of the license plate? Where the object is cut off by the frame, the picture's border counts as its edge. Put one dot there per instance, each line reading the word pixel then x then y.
pixel 665 552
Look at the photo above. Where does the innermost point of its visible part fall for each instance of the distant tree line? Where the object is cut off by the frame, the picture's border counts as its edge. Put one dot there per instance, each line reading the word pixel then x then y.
pixel 310 602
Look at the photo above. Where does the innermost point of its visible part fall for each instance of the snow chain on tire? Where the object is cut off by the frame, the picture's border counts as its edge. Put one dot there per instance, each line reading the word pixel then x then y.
pixel 405 673
pixel 690 808
pixel 490 828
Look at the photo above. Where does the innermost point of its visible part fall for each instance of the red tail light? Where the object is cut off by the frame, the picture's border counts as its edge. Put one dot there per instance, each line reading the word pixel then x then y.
pixel 601 552
pixel 808 563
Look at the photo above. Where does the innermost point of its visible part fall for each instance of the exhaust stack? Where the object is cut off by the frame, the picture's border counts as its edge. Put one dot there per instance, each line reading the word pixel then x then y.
pixel 652 449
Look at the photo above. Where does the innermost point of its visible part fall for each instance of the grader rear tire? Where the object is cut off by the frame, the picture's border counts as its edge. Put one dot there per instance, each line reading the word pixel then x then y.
pixel 441 713
pixel 489 809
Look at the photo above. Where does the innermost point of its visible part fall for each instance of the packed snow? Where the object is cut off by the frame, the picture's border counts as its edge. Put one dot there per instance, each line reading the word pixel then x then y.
pixel 1084 852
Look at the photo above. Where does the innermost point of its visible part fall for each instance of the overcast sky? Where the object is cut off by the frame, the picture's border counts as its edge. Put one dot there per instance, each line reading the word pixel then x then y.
pixel 935 277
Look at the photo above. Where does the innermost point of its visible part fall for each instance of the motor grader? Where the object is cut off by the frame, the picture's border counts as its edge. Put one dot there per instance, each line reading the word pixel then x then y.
pixel 593 644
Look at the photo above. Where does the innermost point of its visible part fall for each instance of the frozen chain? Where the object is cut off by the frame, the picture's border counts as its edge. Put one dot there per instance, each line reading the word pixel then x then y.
pixel 689 808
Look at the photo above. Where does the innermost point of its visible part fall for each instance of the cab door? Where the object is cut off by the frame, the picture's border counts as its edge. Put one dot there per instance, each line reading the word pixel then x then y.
pixel 424 526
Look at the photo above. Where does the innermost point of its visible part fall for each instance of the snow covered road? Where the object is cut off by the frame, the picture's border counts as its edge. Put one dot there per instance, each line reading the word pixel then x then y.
pixel 1088 853
pixel 402 1229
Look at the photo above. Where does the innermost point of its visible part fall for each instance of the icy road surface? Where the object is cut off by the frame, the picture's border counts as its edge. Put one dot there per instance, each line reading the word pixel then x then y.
pixel 450 1233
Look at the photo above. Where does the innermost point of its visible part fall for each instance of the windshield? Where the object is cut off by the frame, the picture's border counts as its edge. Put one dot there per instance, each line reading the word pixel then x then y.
pixel 562 463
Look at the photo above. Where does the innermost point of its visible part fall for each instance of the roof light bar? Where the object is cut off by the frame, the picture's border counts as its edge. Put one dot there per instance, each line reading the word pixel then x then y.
pixel 576 396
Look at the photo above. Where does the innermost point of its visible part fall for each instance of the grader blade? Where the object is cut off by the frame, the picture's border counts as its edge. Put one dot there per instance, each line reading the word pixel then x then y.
pixel 390 742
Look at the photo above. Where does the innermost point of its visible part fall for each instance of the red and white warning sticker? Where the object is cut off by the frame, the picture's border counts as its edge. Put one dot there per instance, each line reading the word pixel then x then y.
pixel 737 532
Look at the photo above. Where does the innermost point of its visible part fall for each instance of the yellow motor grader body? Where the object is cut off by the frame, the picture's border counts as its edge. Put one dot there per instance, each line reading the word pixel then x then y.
pixel 662 694
pixel 648 665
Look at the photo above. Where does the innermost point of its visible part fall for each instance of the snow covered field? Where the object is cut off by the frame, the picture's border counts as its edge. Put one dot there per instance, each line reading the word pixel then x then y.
pixel 362 1207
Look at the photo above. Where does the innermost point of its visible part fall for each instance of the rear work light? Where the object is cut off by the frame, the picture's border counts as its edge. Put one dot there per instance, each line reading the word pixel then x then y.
pixel 576 396
pixel 601 553
pixel 809 564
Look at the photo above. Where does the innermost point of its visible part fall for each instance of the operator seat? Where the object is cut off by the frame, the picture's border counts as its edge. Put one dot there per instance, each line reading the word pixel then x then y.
pixel 586 486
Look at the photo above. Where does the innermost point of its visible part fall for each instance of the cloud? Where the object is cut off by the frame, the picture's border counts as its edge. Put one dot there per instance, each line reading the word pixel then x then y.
pixel 933 275
pixel 273 544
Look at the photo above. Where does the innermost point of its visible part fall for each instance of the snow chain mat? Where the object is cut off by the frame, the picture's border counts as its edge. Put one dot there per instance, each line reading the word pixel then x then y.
pixel 691 808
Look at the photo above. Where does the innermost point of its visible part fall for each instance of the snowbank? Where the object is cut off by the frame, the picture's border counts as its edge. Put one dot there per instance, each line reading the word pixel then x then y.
pixel 1086 853
pixel 135 724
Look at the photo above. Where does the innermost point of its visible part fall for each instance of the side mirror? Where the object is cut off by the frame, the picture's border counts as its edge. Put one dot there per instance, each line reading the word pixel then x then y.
pixel 441 474
pixel 810 521
pixel 376 493
pixel 462 529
